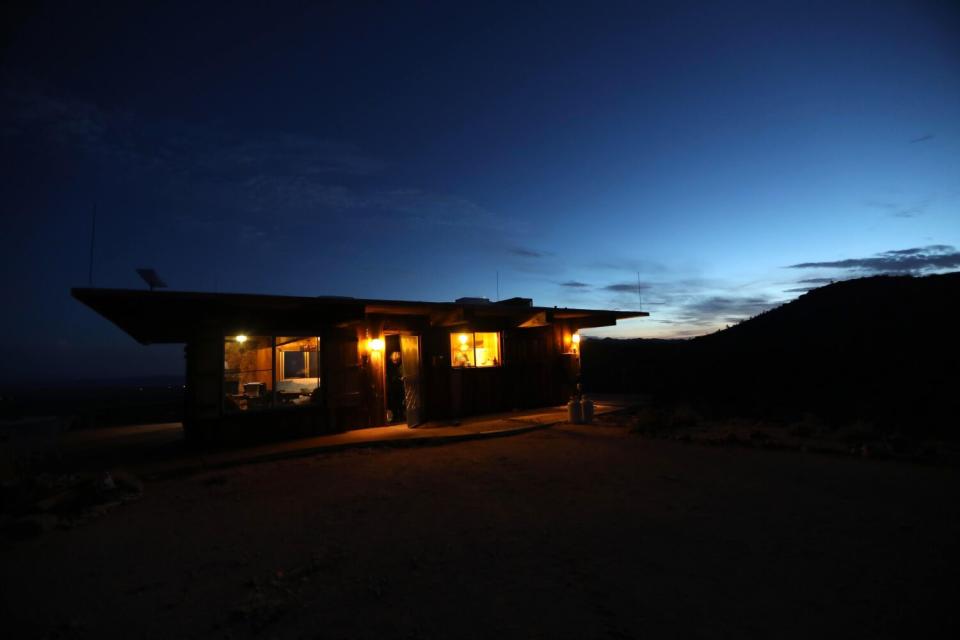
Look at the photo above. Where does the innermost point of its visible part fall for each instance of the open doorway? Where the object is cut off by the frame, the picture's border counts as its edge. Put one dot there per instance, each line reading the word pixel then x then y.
pixel 403 380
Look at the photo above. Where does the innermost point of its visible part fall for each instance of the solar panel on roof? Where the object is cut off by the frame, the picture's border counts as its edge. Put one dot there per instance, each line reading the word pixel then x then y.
pixel 151 278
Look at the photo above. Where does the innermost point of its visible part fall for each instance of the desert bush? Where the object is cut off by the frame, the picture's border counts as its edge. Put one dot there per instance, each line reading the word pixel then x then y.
pixel 645 420
pixel 807 426
pixel 682 417
pixel 859 431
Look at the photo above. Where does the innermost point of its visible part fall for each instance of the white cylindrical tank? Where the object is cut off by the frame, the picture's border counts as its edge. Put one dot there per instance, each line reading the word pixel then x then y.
pixel 586 410
pixel 574 411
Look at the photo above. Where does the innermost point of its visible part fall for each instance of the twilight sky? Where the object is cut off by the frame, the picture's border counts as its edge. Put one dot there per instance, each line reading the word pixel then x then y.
pixel 734 154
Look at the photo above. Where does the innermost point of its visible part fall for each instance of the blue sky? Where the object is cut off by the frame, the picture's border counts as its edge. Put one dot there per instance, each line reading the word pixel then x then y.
pixel 414 150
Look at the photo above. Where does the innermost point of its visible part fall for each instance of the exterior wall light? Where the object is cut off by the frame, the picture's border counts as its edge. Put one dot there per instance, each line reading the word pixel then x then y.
pixel 375 344
pixel 575 338
pixel 241 338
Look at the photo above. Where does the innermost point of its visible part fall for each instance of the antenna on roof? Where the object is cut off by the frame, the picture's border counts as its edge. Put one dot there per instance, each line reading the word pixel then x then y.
pixel 639 295
pixel 151 278
pixel 93 236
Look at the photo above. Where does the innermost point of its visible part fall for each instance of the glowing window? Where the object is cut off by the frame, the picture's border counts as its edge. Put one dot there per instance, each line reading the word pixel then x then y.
pixel 298 370
pixel 247 372
pixel 475 349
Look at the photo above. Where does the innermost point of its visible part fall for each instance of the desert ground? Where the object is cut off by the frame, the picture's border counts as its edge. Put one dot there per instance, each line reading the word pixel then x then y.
pixel 584 531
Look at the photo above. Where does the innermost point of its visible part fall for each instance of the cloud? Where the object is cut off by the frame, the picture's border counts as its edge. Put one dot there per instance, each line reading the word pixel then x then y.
pixel 267 193
pixel 249 233
pixel 711 309
pixel 528 253
pixel 923 138
pixel 440 209
pixel 626 287
pixel 809 284
pixel 307 154
pixel 900 210
pixel 57 120
pixel 65 122
pixel 632 265
pixel 933 257
pixel 251 173
pixel 940 248
pixel 573 284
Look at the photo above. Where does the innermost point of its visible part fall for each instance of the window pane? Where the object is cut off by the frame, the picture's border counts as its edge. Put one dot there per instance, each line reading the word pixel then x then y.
pixel 471 349
pixel 247 372
pixel 298 370
pixel 487 349
pixel 461 350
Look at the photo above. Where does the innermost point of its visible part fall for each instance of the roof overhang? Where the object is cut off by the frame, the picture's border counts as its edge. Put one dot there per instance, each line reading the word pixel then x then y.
pixel 152 317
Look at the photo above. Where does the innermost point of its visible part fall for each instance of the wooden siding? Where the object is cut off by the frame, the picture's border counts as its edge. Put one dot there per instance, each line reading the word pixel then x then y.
pixel 535 371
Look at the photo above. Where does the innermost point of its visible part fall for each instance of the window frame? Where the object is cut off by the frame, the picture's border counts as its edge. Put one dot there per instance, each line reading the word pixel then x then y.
pixel 279 374
pixel 276 374
pixel 225 410
pixel 454 336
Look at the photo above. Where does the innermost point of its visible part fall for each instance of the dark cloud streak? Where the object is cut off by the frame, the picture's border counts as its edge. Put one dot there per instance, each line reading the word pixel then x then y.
pixel 528 253
pixel 914 260
pixel 703 311
pixel 626 287
pixel 900 210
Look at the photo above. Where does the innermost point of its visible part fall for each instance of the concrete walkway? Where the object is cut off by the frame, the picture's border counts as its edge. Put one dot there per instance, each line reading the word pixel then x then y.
pixel 159 451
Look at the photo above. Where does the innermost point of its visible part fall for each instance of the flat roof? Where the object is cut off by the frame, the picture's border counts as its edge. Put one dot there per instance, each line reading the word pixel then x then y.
pixel 175 316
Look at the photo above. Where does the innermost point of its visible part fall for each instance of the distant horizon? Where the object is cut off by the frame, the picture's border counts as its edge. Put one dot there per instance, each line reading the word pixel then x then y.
pixel 176 377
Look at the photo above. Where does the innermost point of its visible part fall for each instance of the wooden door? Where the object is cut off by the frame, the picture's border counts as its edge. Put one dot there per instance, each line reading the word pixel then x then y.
pixel 410 354
pixel 341 380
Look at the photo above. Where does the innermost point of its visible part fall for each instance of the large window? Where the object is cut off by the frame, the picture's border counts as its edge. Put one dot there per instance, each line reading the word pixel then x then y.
pixel 475 349
pixel 247 372
pixel 298 370
pixel 267 371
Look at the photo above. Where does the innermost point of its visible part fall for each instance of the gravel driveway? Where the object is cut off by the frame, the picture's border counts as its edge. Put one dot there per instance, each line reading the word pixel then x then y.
pixel 569 532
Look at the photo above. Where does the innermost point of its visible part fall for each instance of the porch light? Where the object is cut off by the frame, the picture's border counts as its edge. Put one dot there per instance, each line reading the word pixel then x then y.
pixel 375 344
pixel 241 338
pixel 575 339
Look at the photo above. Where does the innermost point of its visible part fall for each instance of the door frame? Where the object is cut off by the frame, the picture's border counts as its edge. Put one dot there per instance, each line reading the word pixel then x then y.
pixel 416 412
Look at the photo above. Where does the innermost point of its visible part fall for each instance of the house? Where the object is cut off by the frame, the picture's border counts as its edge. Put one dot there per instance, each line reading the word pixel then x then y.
pixel 288 366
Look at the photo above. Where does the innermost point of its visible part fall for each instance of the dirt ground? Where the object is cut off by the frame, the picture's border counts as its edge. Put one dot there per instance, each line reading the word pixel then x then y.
pixel 568 532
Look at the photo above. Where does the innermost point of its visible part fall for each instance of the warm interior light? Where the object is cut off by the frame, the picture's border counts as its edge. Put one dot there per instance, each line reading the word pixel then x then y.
pixel 462 338
pixel 241 338
pixel 375 344
pixel 575 338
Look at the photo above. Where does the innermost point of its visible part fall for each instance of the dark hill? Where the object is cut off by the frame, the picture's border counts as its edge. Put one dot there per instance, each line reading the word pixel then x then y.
pixel 882 350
